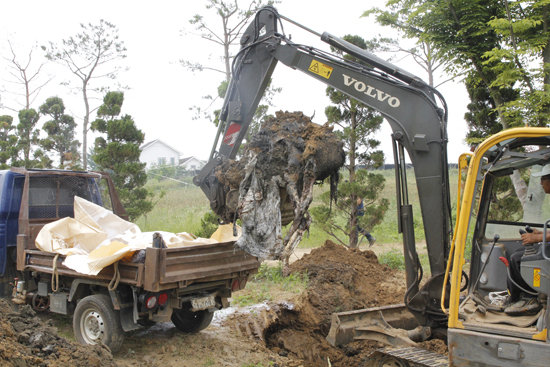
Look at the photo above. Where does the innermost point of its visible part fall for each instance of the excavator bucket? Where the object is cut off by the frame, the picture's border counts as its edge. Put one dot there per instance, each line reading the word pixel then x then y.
pixel 392 325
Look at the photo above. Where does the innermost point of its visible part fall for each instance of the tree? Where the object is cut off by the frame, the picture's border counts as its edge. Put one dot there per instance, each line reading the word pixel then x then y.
pixel 357 123
pixel 90 55
pixel 26 73
pixel 234 18
pixel 28 133
pixel 396 16
pixel 8 141
pixel 117 152
pixel 522 60
pixel 499 48
pixel 481 118
pixel 61 133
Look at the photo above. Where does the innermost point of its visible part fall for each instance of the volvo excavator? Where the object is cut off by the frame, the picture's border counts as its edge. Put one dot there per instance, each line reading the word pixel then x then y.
pixel 455 299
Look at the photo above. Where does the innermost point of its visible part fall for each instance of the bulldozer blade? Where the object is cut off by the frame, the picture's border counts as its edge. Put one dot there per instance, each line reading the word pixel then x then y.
pixel 386 324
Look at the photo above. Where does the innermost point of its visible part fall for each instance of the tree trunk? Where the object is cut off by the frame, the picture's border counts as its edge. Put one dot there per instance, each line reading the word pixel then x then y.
pixel 532 208
pixel 520 186
pixel 353 235
pixel 226 50
pixel 85 128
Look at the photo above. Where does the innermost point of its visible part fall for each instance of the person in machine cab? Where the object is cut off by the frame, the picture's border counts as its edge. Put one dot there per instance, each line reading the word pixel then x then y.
pixel 524 301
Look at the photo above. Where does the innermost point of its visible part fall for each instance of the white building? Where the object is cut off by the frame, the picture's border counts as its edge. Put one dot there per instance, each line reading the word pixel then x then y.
pixel 158 153
pixel 192 163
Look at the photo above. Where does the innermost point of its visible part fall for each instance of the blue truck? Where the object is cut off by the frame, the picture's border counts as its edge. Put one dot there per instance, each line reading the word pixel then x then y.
pixel 184 285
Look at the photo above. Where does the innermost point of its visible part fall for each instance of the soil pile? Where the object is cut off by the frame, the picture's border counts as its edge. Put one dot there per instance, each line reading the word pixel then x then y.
pixel 26 341
pixel 343 279
pixel 340 279
pixel 275 181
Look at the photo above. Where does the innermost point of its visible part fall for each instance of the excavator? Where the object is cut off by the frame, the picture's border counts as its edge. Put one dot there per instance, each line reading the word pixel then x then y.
pixel 455 300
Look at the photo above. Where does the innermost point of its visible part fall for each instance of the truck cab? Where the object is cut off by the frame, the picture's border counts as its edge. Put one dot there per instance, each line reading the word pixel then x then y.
pixel 49 196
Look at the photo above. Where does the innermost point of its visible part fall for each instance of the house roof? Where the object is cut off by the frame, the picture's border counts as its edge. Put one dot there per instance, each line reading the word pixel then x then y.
pixel 146 145
pixel 187 159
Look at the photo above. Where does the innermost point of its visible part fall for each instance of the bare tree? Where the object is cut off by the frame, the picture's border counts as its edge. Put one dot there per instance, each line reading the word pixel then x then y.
pixel 233 19
pixel 27 73
pixel 86 55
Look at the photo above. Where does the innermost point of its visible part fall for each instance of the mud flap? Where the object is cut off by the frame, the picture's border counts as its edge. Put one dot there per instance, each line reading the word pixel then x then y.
pixel 127 319
pixel 392 325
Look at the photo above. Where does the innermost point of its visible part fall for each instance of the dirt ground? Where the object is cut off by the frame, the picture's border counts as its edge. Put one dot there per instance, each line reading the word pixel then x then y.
pixel 27 341
pixel 289 331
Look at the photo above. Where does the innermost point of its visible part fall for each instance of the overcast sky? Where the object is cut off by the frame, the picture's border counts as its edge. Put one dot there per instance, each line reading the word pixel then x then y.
pixel 162 91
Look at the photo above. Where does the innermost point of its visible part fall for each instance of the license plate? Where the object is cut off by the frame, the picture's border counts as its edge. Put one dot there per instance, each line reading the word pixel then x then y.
pixel 203 303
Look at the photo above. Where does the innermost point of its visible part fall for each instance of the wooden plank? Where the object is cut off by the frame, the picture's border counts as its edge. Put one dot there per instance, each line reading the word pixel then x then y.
pixel 223 262
pixel 21 246
pixel 184 258
pixel 206 271
pixel 152 269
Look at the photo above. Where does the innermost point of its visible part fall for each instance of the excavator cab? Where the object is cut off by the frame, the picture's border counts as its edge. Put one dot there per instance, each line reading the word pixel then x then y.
pixel 502 198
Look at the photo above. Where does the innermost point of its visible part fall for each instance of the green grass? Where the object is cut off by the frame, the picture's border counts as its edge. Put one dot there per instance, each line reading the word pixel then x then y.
pixel 183 206
pixel 180 210
pixel 260 287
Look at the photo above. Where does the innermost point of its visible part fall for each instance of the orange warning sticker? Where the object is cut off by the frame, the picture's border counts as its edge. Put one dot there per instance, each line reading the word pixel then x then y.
pixel 536 277
pixel 321 69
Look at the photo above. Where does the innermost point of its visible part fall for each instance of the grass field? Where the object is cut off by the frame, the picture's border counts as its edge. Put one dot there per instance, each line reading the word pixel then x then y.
pixel 183 206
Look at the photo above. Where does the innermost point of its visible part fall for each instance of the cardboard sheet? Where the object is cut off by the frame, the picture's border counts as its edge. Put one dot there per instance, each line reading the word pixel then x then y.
pixel 97 238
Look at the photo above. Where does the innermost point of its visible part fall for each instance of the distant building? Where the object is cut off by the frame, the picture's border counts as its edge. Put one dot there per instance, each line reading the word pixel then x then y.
pixel 191 163
pixel 158 153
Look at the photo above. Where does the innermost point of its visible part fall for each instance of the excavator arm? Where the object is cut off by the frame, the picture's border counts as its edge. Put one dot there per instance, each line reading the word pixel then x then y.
pixel 406 102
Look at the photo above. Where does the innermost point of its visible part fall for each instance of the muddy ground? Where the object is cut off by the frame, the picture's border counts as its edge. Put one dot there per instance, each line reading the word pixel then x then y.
pixel 288 331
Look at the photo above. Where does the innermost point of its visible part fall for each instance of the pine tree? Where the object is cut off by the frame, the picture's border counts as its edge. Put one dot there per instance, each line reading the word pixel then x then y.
pixel 357 123
pixel 117 152
pixel 29 155
pixel 61 133
pixel 8 141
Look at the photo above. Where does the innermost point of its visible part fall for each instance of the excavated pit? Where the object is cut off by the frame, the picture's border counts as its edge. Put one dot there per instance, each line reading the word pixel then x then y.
pixel 26 341
pixel 275 181
pixel 340 279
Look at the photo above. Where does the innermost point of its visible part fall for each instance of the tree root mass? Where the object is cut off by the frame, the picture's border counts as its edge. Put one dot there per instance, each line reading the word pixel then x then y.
pixel 275 180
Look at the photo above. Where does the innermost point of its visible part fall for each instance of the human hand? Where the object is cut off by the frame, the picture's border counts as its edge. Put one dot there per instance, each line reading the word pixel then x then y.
pixel 528 238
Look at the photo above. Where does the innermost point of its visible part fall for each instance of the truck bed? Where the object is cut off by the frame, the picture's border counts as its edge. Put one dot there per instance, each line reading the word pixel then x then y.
pixel 163 268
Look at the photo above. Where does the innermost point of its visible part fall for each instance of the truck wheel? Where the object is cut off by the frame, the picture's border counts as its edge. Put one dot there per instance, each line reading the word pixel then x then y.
pixel 191 322
pixel 95 321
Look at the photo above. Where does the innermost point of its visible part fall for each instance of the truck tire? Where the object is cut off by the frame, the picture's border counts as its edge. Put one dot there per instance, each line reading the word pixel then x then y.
pixel 191 322
pixel 95 321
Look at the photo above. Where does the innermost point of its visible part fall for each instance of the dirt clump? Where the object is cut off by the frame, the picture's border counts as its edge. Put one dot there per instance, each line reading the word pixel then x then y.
pixel 435 345
pixel 285 143
pixel 344 279
pixel 26 341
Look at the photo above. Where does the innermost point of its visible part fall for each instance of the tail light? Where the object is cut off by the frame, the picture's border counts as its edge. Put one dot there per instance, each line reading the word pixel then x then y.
pixel 235 285
pixel 243 283
pixel 151 302
pixel 163 299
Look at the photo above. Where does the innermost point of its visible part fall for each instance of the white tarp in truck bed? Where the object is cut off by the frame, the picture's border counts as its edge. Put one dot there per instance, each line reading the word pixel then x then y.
pixel 96 238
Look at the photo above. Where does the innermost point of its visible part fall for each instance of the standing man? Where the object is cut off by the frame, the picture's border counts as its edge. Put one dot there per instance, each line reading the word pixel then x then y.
pixel 360 213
